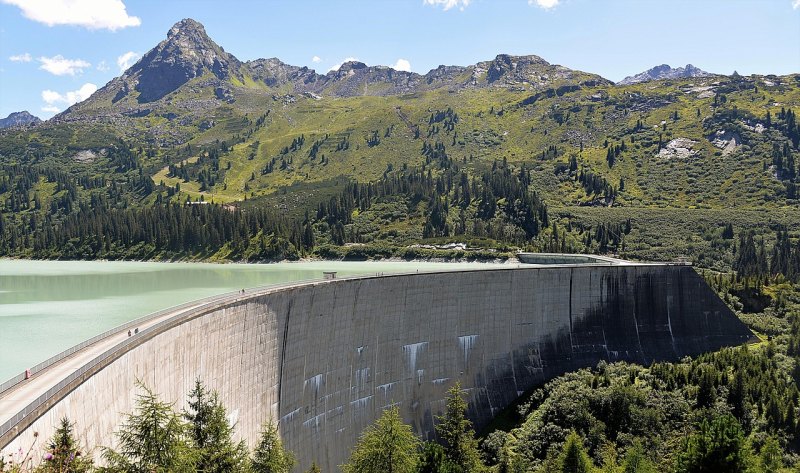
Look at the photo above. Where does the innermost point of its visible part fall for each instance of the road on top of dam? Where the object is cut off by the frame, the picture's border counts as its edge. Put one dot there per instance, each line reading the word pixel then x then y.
pixel 21 396
pixel 17 398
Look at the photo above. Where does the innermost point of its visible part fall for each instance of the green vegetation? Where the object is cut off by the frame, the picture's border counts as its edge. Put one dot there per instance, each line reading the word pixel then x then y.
pixel 388 446
pixel 270 456
pixel 497 169
pixel 251 169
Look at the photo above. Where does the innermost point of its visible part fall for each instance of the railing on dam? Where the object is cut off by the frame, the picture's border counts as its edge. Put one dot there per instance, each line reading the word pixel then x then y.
pixel 198 306
pixel 121 328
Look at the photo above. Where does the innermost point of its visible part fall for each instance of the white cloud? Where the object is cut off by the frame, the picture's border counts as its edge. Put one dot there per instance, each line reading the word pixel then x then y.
pixel 336 67
pixel 448 4
pixel 103 67
pixel 60 66
pixel 547 4
pixel 127 60
pixel 795 4
pixel 55 99
pixel 402 65
pixel 316 59
pixel 25 57
pixel 91 14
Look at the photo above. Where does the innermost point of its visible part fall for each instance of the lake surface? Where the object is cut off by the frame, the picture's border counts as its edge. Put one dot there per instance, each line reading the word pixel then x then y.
pixel 49 306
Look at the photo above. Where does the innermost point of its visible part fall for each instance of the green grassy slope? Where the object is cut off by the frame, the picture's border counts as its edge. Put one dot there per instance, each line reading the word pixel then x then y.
pixel 291 150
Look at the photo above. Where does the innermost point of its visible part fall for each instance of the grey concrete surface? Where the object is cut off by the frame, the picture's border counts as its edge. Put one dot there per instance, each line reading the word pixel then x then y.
pixel 324 359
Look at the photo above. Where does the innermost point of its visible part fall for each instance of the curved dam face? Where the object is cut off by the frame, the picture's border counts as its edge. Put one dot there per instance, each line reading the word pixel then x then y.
pixel 324 359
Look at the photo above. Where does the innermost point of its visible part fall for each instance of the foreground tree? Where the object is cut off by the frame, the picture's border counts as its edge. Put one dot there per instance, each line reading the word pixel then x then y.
pixel 270 456
pixel 314 468
pixel 63 454
pixel 152 439
pixel 716 446
pixel 457 435
pixel 573 457
pixel 387 446
pixel 212 433
pixel 636 460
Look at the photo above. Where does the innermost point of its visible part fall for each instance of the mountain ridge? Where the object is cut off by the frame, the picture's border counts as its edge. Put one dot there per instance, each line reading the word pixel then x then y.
pixel 21 118
pixel 665 71
pixel 188 52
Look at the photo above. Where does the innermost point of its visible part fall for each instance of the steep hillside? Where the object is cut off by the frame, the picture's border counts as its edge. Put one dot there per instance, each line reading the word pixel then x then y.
pixel 509 153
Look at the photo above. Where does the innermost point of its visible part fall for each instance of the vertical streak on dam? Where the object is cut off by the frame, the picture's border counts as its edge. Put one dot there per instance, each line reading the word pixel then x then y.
pixel 324 359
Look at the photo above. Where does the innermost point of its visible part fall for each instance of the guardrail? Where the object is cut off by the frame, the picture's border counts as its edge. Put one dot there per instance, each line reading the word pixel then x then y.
pixel 197 309
pixel 128 325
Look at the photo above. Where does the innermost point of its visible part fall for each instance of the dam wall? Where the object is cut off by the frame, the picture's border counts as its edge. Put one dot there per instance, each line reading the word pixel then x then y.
pixel 325 358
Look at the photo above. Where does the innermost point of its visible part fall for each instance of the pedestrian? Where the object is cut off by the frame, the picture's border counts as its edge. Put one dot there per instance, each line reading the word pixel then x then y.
pixel 136 330
pixel 129 333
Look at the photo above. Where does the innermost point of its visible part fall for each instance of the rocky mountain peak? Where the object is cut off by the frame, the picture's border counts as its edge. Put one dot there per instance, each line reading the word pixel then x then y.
pixel 188 52
pixel 187 27
pixel 19 119
pixel 664 71
pixel 512 68
pixel 352 65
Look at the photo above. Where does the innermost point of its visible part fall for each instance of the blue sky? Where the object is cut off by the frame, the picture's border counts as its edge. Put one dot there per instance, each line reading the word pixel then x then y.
pixel 55 52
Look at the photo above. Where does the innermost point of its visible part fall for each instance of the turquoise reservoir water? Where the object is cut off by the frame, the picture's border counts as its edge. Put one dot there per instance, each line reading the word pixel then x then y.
pixel 49 306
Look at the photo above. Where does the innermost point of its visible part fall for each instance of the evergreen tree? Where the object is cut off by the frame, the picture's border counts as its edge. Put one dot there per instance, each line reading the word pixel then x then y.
pixel 212 433
pixel 152 439
pixel 387 446
pixel 433 460
pixel 455 431
pixel 270 456
pixel 727 232
pixel 636 460
pixel 737 397
pixel 63 454
pixel 770 458
pixel 573 458
pixel 716 446
pixel 314 468
pixel 706 391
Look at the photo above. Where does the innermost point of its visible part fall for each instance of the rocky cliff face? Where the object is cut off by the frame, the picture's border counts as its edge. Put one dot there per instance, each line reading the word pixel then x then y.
pixel 19 119
pixel 664 71
pixel 187 52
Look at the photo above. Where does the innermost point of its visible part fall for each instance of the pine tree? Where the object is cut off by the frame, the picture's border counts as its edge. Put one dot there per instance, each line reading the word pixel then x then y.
pixel 770 458
pixel 270 456
pixel 455 431
pixel 718 445
pixel 636 460
pixel 387 446
pixel 314 468
pixel 212 433
pixel 573 458
pixel 153 438
pixel 63 454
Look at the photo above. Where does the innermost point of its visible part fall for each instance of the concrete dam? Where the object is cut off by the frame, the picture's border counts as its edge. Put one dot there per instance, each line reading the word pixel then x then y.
pixel 325 358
